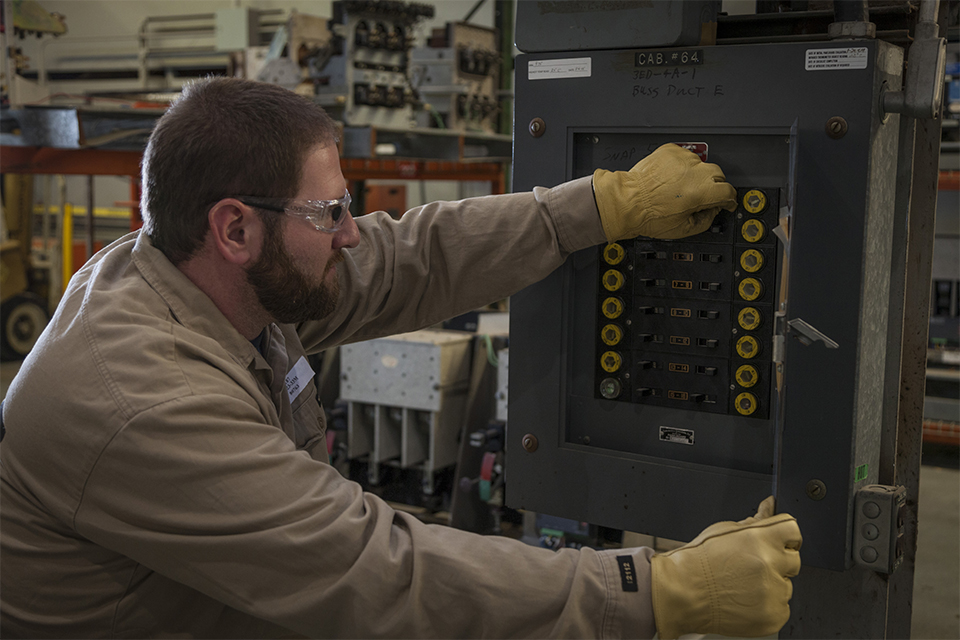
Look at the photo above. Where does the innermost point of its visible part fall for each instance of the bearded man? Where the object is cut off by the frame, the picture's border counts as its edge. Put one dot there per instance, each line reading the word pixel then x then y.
pixel 165 472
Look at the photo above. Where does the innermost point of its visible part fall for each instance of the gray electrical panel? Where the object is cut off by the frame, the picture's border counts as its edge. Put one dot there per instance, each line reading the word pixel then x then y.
pixel 575 25
pixel 660 386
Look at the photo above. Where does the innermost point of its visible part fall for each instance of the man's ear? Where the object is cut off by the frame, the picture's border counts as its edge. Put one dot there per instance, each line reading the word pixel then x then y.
pixel 236 231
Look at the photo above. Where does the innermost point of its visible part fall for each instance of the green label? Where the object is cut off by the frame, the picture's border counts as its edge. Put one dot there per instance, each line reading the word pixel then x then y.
pixel 861 473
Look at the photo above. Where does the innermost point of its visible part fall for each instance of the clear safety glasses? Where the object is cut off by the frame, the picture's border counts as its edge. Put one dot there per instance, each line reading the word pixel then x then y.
pixel 325 215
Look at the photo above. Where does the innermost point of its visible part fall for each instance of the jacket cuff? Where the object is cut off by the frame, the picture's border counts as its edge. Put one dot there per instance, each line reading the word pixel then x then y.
pixel 629 613
pixel 574 211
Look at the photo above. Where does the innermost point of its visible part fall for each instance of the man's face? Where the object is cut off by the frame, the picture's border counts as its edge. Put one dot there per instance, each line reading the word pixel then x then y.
pixel 295 275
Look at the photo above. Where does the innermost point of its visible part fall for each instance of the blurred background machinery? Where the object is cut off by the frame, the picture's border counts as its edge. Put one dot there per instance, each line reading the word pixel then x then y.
pixel 364 79
pixel 457 76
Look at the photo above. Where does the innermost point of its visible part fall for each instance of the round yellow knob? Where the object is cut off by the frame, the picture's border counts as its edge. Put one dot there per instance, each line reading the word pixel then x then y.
pixel 612 280
pixel 749 318
pixel 750 289
pixel 751 260
pixel 611 334
pixel 610 361
pixel 746 403
pixel 613 253
pixel 612 308
pixel 753 230
pixel 754 201
pixel 747 375
pixel 748 347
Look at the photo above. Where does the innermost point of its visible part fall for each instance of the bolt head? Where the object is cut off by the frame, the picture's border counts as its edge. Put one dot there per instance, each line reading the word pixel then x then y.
pixel 530 442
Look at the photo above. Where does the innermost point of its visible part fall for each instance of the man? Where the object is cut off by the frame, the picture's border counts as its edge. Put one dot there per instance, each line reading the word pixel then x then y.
pixel 164 471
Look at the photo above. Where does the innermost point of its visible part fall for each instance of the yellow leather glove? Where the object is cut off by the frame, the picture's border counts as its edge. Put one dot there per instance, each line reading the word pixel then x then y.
pixel 733 579
pixel 669 194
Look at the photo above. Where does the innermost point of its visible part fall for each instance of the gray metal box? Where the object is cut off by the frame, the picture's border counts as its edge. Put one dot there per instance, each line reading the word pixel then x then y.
pixel 406 397
pixel 410 370
pixel 768 115
pixel 575 25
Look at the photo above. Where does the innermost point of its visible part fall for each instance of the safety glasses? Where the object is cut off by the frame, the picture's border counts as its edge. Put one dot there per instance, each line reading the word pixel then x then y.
pixel 325 215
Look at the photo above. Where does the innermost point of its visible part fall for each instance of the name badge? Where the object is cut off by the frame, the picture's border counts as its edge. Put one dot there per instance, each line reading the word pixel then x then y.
pixel 297 379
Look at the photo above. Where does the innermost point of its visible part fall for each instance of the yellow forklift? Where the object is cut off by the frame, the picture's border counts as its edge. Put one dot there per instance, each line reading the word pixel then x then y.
pixel 23 299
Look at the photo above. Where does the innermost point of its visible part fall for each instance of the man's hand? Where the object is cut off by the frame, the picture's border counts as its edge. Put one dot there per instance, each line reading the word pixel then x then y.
pixel 733 579
pixel 669 194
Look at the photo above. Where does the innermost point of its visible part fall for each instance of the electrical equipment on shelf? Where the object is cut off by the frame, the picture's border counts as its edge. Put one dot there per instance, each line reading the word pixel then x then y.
pixel 457 76
pixel 362 79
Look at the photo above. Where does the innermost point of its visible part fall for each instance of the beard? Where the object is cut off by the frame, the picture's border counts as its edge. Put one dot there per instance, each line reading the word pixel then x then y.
pixel 284 291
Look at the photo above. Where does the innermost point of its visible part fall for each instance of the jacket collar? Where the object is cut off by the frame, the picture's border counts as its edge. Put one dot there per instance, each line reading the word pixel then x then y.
pixel 191 307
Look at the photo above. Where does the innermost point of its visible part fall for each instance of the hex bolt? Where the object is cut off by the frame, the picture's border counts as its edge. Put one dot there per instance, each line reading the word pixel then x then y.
pixel 530 442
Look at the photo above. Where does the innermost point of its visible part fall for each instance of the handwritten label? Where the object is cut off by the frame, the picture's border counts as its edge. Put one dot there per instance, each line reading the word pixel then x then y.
pixel 616 154
pixel 562 68
pixel 835 59
pixel 674 91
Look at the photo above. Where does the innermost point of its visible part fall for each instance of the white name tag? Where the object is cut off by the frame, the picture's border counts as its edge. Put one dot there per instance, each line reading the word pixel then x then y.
pixel 298 378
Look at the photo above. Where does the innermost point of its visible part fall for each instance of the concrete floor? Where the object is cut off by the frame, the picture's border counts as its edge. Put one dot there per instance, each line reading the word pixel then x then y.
pixel 936 595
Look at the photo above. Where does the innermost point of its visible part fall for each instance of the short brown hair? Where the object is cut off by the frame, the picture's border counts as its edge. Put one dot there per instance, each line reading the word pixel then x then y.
pixel 224 137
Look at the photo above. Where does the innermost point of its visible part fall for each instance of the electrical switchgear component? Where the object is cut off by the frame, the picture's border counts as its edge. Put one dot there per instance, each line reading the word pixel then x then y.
pixel 362 78
pixel 707 322
pixel 878 527
pixel 458 76
pixel 753 231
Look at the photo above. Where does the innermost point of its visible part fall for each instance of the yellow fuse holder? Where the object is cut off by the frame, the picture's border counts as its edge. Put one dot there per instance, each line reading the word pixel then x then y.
pixel 746 403
pixel 747 376
pixel 611 334
pixel 613 253
pixel 750 289
pixel 610 388
pixel 610 361
pixel 612 308
pixel 749 318
pixel 753 230
pixel 747 347
pixel 754 201
pixel 612 280
pixel 751 260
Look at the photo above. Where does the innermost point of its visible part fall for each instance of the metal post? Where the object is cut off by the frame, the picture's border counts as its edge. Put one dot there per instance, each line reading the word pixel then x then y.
pixel 90 241
pixel 916 321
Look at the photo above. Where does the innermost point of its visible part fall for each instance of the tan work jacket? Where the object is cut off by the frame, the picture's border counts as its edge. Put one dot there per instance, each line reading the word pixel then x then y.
pixel 157 480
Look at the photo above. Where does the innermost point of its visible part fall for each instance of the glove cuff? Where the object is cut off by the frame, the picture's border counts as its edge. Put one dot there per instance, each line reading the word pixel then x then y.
pixel 603 185
pixel 680 605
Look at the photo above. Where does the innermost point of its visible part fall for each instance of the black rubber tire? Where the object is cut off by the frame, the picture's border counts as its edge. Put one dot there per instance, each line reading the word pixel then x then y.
pixel 22 319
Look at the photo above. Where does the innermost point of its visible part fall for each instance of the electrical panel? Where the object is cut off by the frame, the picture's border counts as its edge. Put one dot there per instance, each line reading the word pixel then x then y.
pixel 458 75
pixel 363 78
pixel 659 386
pixel 688 324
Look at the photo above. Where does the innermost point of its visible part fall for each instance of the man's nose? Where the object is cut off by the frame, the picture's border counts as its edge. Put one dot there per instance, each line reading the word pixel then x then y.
pixel 348 235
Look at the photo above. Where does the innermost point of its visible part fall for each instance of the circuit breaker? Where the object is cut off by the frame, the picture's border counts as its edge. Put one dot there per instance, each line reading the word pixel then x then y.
pixel 364 79
pixel 687 325
pixel 659 386
pixel 458 75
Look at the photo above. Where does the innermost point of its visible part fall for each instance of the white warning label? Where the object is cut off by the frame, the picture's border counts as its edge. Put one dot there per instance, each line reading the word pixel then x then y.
pixel 833 59
pixel 563 68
